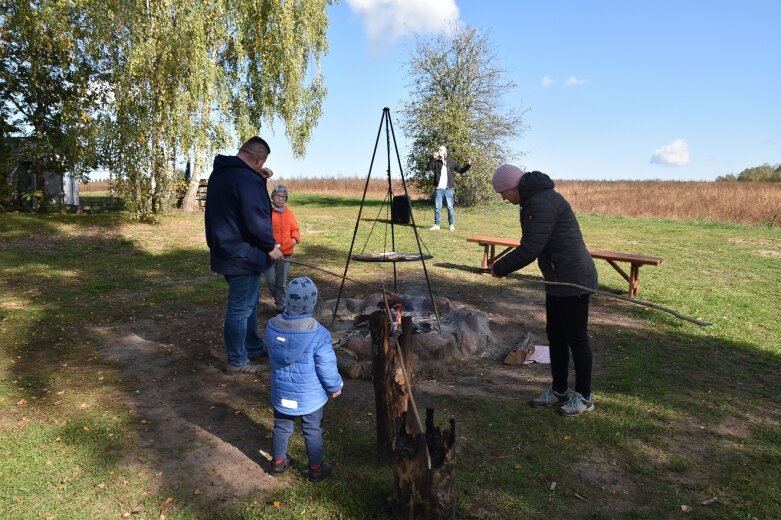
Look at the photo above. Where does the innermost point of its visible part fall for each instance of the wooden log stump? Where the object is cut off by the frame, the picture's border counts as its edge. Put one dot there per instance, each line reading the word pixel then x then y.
pixel 424 485
pixel 392 390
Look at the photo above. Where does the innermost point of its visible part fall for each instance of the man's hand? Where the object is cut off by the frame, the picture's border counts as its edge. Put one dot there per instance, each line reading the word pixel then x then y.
pixel 266 173
pixel 336 394
pixel 276 255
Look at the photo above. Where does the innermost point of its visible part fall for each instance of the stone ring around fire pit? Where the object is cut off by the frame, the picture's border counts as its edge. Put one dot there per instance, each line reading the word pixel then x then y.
pixel 464 334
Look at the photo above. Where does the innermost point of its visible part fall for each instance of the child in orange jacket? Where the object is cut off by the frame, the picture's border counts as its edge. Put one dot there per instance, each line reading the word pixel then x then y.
pixel 287 235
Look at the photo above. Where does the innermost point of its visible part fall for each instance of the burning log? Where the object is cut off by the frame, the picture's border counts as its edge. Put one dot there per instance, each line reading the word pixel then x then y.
pixel 424 485
pixel 392 388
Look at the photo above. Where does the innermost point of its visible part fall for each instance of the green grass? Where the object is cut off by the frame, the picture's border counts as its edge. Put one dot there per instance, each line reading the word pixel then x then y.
pixel 684 413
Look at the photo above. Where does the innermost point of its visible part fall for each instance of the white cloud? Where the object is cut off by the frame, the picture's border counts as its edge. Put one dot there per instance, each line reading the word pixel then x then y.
pixel 673 154
pixel 388 20
pixel 547 81
pixel 574 81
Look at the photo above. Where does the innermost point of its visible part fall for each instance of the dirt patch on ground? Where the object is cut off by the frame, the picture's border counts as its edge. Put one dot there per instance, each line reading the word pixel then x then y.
pixel 191 415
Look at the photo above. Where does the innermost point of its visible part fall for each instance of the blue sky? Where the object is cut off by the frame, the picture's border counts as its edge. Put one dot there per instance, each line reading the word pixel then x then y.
pixel 672 90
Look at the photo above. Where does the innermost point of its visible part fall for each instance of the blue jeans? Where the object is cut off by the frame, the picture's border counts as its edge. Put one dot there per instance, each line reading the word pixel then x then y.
pixel 240 329
pixel 310 427
pixel 449 195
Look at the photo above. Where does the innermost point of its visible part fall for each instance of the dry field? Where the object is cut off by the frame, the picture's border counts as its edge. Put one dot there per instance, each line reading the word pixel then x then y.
pixel 744 202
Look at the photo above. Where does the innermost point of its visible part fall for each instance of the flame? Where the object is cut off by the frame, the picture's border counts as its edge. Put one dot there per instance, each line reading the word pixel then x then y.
pixel 396 314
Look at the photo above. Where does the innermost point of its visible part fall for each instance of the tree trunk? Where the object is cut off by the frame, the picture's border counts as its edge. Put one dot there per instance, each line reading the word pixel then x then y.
pixel 424 485
pixel 190 202
pixel 392 390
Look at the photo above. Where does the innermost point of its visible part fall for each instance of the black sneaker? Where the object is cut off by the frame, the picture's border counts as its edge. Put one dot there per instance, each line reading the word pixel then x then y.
pixel 278 469
pixel 316 475
pixel 249 368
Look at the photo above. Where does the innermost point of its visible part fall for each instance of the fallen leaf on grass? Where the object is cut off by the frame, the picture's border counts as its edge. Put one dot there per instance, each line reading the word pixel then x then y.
pixel 685 508
pixel 197 491
pixel 710 501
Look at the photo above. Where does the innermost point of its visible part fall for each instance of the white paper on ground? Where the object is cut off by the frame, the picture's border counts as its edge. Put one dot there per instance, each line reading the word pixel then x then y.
pixel 541 354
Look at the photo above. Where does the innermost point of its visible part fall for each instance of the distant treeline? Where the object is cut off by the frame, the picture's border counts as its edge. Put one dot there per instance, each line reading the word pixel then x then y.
pixel 764 173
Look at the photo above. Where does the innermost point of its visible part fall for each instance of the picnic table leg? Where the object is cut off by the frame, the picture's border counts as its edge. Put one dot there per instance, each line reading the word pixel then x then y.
pixel 485 256
pixel 634 280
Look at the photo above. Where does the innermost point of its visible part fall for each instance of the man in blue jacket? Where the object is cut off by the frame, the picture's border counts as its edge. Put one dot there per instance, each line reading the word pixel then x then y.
pixel 241 245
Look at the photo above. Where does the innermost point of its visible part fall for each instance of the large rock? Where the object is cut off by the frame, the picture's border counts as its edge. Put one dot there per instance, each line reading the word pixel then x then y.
pixel 434 346
pixel 472 331
pixel 361 346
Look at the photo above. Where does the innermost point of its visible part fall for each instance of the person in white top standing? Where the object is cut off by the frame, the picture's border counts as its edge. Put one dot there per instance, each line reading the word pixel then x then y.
pixel 444 169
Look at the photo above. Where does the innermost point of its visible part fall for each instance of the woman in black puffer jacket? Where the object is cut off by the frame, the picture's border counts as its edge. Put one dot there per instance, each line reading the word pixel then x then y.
pixel 550 234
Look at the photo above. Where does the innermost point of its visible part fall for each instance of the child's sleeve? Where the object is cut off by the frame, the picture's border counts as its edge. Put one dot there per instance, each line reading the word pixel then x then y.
pixel 295 231
pixel 325 363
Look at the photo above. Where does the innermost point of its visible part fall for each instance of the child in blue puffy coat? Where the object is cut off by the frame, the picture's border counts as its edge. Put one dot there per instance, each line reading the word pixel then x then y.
pixel 303 377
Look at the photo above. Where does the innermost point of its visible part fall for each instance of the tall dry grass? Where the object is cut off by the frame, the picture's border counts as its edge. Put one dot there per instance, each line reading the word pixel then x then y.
pixel 745 202
pixel 349 187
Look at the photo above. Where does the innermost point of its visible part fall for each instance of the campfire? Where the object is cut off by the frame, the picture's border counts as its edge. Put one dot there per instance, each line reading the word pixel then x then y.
pixel 452 332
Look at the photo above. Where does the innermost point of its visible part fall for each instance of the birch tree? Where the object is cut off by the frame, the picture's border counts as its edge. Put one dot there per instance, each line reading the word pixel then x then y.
pixel 191 77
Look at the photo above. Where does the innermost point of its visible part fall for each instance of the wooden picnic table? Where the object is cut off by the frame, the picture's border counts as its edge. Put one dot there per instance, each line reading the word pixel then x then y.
pixel 612 257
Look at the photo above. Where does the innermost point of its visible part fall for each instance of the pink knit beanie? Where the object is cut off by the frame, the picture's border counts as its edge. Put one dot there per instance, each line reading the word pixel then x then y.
pixel 505 177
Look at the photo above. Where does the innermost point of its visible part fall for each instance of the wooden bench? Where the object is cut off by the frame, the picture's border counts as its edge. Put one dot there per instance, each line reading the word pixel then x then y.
pixel 612 257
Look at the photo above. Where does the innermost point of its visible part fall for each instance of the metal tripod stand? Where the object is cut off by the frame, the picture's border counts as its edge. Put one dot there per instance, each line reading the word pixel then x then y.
pixel 385 121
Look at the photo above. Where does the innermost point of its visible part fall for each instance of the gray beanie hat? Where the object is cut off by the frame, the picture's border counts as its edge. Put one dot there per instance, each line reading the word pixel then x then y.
pixel 301 296
pixel 280 188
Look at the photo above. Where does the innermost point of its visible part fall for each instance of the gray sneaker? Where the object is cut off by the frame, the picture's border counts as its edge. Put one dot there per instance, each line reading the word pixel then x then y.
pixel 577 405
pixel 249 368
pixel 548 398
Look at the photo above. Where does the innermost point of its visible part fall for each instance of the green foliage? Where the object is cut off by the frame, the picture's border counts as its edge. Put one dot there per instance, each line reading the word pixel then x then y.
pixel 48 92
pixel 135 85
pixel 457 100
pixel 764 173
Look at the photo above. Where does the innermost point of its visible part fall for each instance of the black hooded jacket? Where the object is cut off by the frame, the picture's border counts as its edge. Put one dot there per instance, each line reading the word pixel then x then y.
pixel 435 165
pixel 237 218
pixel 550 233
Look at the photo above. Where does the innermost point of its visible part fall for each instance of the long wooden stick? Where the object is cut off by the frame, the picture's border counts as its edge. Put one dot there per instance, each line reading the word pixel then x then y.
pixel 619 297
pixel 634 301
pixel 298 262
